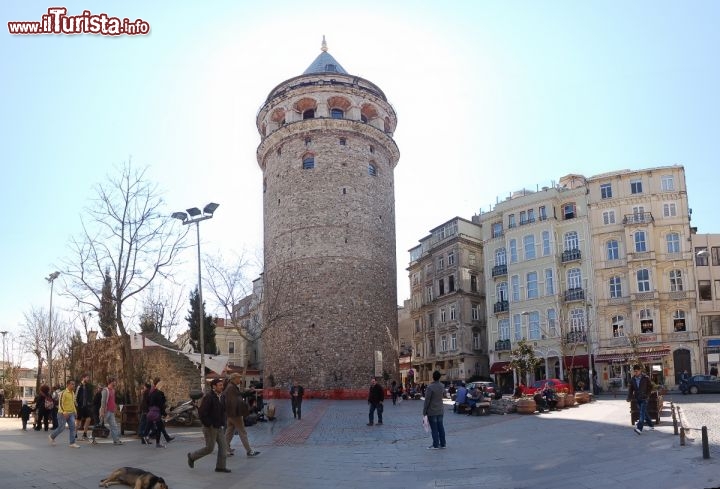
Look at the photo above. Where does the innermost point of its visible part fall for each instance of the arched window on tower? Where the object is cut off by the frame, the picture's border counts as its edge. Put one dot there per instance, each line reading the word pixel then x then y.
pixel 308 162
pixel 363 118
pixel 309 114
pixel 372 170
pixel 337 114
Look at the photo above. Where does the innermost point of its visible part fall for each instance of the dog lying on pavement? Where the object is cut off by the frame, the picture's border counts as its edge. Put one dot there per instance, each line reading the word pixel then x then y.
pixel 135 478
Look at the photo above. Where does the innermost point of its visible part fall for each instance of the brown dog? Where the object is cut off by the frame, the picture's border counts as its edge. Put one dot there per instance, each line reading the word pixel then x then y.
pixel 135 478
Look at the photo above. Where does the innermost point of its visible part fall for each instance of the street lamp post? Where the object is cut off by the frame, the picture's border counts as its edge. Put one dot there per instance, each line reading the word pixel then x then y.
pixel 51 278
pixel 4 368
pixel 195 215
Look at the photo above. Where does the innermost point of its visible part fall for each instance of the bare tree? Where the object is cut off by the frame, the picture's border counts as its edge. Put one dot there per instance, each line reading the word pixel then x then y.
pixel 162 311
pixel 127 234
pixel 43 340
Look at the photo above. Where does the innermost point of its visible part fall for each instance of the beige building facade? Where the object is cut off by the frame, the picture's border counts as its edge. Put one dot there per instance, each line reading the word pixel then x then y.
pixel 447 304
pixel 539 280
pixel 706 254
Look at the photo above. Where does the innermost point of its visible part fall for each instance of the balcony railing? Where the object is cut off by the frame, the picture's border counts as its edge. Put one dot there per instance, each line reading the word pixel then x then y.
pixel 499 270
pixel 503 345
pixel 570 255
pixel 501 306
pixel 574 295
pixel 638 218
pixel 576 337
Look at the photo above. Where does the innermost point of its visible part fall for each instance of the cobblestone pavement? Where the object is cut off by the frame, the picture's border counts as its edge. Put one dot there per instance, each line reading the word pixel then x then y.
pixel 697 411
pixel 591 446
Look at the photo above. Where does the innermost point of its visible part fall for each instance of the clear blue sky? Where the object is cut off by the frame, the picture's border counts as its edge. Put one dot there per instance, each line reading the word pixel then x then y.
pixel 491 97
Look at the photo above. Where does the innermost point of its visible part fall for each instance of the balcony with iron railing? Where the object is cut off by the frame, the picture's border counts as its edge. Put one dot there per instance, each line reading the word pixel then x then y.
pixel 638 218
pixel 501 306
pixel 499 270
pixel 503 345
pixel 570 255
pixel 577 294
pixel 576 337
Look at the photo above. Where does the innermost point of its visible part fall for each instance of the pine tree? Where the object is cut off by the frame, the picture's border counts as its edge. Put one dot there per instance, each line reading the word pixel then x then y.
pixel 194 325
pixel 107 318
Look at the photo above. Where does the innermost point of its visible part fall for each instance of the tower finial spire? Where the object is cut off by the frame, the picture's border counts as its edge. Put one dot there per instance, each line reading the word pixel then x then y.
pixel 324 45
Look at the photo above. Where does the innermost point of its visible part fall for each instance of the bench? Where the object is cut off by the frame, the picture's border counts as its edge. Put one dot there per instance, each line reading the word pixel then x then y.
pixel 479 409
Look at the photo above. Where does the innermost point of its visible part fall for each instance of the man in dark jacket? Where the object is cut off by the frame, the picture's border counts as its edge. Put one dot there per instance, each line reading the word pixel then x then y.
pixel 433 408
pixel 212 416
pixel 237 410
pixel 639 390
pixel 84 400
pixel 375 399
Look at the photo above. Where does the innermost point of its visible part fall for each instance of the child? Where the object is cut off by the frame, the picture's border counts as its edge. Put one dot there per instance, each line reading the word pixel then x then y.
pixel 25 414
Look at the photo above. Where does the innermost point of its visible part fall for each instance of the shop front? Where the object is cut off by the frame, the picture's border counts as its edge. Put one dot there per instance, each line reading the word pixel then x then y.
pixel 615 368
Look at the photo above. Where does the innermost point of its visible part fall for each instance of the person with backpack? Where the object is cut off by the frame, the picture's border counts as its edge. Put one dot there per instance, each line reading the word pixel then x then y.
pixel 66 413
pixel 44 406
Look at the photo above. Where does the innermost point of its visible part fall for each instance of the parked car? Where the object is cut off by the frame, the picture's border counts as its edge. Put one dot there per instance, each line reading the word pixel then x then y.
pixel 702 383
pixel 539 385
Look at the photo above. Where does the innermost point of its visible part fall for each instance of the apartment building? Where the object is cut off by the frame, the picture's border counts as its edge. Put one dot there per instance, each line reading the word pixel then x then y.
pixel 447 304
pixel 537 249
pixel 644 278
pixel 706 254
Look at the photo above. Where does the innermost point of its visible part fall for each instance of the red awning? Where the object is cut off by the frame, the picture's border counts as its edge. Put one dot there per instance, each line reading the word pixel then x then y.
pixel 500 367
pixel 644 354
pixel 577 361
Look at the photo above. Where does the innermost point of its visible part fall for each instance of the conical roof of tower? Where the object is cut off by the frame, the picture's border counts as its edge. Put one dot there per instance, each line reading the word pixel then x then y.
pixel 324 63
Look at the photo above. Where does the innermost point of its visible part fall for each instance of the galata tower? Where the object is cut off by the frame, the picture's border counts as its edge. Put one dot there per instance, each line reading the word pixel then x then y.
pixel 329 281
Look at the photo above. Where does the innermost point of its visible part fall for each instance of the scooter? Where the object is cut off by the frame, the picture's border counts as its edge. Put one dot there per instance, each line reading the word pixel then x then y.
pixel 186 412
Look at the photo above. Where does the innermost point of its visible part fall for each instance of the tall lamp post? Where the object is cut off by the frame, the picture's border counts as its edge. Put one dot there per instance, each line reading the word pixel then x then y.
pixel 195 215
pixel 4 368
pixel 51 278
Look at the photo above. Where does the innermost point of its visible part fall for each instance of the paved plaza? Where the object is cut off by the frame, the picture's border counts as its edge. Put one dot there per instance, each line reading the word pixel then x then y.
pixel 588 446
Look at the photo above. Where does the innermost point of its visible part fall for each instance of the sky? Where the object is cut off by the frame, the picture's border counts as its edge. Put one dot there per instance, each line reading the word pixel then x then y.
pixel 491 97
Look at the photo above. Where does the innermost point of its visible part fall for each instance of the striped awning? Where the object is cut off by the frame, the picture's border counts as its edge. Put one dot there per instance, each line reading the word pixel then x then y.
pixel 624 356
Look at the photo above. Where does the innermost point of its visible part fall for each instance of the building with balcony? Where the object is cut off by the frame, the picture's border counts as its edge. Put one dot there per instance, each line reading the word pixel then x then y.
pixel 537 246
pixel 447 304
pixel 645 285
pixel 706 257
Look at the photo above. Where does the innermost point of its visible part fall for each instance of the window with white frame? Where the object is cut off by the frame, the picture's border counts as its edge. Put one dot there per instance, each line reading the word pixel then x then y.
pixel 515 286
pixel 571 241
pixel 673 242
pixel 636 186
pixel 532 285
pixel 501 291
pixel 643 280
pixel 429 293
pixel 531 215
pixel 511 221
pixel 453 313
pixel 608 217
pixel 542 213
pixel 451 258
pixel 613 250
pixel 574 278
pixel 440 262
pixel 549 282
pixel 577 320
pixel 568 210
pixel 453 341
pixel 500 257
pixel 646 321
pixel 529 246
pixel 534 325
pixel 605 190
pixel 679 321
pixel 546 250
pixel 618 326
pixel 504 329
pixel 669 209
pixel 667 183
pixel 523 218
pixel 443 315
pixel 615 287
pixel 513 251
pixel 477 341
pixel 552 323
pixel 443 343
pixel 497 229
pixel 475 312
pixel 640 243
pixel 676 281
pixel 517 327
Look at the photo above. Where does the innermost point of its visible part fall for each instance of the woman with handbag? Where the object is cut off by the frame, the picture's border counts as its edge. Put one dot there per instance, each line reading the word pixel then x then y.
pixel 156 412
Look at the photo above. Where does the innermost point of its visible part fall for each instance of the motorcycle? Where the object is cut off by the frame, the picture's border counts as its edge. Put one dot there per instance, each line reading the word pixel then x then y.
pixel 185 413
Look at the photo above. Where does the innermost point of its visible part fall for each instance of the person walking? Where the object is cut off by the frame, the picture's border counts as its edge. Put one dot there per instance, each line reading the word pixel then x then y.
pixel 156 412
pixel 434 410
pixel 107 410
pixel 237 411
pixel 639 390
pixel 25 414
pixel 375 400
pixel 43 408
pixel 143 409
pixel 296 397
pixel 66 414
pixel 84 400
pixel 394 392
pixel 212 416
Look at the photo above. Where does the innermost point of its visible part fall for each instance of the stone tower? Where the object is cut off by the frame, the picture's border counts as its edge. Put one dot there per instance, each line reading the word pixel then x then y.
pixel 327 157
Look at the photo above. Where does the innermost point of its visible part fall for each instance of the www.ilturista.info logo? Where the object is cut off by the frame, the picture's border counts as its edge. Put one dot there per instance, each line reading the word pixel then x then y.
pixel 56 21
